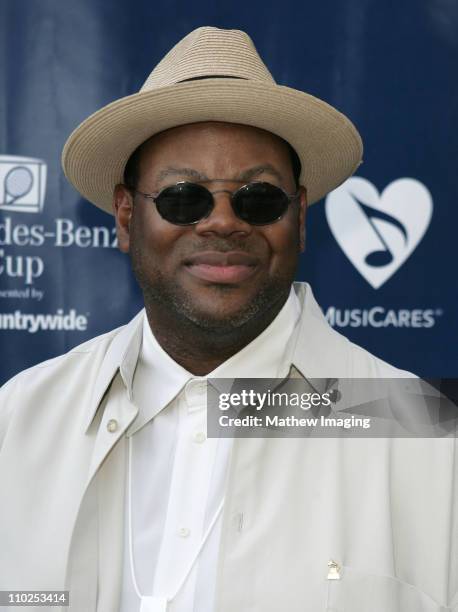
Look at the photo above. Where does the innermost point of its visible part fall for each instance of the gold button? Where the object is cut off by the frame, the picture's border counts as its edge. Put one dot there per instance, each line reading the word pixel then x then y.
pixel 112 425
pixel 333 570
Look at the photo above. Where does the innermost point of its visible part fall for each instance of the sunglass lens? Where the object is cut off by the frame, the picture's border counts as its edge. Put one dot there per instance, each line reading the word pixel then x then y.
pixel 260 203
pixel 184 203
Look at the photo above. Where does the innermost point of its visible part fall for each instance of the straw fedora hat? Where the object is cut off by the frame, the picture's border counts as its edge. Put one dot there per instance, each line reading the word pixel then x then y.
pixel 211 75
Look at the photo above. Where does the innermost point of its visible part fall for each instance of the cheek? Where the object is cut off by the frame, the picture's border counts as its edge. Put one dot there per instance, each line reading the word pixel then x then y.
pixel 153 242
pixel 150 263
pixel 284 242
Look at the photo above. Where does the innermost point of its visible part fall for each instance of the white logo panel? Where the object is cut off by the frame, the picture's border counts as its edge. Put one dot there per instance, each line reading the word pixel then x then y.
pixel 22 183
pixel 378 232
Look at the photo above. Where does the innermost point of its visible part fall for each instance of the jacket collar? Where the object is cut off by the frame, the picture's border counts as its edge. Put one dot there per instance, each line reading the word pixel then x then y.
pixel 319 354
pixel 122 355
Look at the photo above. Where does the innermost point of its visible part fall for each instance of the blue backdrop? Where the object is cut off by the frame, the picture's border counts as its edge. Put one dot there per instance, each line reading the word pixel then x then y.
pixel 381 250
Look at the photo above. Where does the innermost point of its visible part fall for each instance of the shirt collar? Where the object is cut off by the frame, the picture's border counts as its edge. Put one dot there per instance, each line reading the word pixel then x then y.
pixel 315 352
pixel 158 376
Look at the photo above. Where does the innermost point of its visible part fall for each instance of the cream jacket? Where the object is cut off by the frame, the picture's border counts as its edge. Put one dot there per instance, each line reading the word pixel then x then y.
pixel 385 510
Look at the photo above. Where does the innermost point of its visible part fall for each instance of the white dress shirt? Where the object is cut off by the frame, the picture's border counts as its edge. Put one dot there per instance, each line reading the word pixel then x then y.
pixel 177 474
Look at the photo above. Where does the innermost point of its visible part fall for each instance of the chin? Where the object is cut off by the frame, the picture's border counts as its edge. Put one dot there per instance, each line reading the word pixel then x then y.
pixel 221 320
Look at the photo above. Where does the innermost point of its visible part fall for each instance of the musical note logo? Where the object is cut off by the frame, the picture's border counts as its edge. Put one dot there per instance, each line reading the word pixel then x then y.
pixel 384 256
pixel 378 232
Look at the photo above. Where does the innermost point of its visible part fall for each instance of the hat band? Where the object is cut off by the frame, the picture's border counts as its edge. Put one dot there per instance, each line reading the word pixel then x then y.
pixel 213 76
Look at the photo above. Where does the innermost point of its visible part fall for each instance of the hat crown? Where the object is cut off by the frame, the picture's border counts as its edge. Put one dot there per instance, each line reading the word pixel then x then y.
pixel 209 52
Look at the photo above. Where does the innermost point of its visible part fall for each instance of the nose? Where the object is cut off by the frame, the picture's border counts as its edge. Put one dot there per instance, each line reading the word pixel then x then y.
pixel 222 220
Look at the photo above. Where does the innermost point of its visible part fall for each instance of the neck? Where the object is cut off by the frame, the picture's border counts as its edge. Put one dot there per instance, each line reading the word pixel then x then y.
pixel 201 350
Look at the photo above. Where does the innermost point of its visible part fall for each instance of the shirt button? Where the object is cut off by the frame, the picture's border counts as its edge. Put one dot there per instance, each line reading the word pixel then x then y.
pixel 199 437
pixel 195 392
pixel 112 425
pixel 183 532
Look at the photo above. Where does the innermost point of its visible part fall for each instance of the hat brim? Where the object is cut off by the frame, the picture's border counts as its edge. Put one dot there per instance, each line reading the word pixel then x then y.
pixel 327 143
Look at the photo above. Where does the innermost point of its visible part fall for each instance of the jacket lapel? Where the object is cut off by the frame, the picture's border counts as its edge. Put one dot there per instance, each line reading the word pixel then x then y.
pixel 118 413
pixel 95 557
pixel 94 564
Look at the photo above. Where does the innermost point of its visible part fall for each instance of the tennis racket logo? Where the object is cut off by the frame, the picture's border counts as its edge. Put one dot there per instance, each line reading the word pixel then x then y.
pixel 378 232
pixel 22 184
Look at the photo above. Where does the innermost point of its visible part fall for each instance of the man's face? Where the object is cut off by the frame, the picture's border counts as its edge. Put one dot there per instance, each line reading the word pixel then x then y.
pixel 220 272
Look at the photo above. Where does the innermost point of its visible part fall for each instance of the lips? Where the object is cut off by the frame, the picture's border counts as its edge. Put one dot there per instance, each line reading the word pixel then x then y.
pixel 217 267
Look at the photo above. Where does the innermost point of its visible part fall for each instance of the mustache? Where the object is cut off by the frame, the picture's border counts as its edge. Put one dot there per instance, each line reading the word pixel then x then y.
pixel 222 245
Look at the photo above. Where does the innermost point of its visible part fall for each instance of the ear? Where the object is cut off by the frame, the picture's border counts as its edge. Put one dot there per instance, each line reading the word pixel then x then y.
pixel 123 208
pixel 302 215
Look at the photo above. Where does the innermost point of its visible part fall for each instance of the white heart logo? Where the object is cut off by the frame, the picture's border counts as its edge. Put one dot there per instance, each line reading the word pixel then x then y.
pixel 378 232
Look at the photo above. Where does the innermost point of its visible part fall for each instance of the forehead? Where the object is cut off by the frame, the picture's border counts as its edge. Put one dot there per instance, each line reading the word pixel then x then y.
pixel 214 147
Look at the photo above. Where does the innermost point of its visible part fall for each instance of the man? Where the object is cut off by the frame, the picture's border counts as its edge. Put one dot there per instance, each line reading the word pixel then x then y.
pixel 113 489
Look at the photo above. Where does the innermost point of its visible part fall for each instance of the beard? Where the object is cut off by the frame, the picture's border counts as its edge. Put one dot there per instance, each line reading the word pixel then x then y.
pixel 182 306
pixel 167 295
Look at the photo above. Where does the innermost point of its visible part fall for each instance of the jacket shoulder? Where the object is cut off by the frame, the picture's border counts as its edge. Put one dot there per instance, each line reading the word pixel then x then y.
pixel 367 365
pixel 92 346
pixel 323 352
pixel 49 379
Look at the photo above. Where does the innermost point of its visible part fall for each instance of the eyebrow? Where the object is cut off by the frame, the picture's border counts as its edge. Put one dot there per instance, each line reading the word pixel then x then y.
pixel 171 171
pixel 244 176
pixel 261 169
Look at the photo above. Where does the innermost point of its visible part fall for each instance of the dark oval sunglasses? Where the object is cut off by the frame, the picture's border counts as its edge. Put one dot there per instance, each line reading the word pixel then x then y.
pixel 188 203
